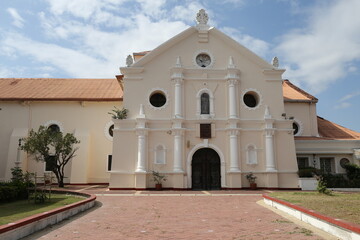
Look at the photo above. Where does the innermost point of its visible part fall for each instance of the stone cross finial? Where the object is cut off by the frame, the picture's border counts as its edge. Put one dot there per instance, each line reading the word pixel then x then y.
pixel 275 62
pixel 202 17
pixel 129 61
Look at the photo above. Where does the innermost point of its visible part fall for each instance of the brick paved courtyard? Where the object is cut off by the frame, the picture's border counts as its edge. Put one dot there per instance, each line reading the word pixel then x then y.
pixel 176 215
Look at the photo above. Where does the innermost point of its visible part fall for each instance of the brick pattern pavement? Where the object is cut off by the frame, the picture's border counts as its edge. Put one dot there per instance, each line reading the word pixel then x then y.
pixel 177 217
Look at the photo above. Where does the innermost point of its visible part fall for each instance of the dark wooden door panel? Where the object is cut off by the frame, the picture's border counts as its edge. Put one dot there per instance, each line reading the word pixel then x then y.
pixel 206 170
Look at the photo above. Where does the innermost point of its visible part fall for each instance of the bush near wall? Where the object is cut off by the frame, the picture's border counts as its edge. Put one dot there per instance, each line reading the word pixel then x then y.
pixel 308 172
pixel 15 189
pixel 340 181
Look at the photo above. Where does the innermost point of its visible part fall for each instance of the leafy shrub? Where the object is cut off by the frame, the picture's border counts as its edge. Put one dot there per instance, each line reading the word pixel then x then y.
pixel 8 192
pixel 352 171
pixel 322 186
pixel 308 172
pixel 340 181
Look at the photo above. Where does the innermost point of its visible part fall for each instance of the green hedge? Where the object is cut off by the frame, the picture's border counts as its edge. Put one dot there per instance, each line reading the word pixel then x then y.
pixel 340 181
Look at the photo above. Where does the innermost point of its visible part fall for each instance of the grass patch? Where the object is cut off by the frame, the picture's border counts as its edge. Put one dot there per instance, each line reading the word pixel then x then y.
pixel 338 205
pixel 13 211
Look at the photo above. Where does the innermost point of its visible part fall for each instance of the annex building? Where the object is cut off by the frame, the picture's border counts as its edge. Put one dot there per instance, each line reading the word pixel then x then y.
pixel 203 110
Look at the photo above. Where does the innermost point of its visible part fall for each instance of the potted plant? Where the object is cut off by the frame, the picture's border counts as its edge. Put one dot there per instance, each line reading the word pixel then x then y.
pixel 158 179
pixel 119 113
pixel 252 178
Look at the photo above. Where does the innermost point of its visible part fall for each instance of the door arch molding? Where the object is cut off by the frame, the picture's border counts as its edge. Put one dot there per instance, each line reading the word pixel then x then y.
pixel 189 160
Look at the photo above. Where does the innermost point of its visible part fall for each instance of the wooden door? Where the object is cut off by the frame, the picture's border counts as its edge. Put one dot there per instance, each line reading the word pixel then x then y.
pixel 206 170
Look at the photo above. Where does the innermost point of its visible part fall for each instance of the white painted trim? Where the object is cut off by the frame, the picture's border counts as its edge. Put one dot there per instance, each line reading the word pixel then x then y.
pixel 300 126
pixel 189 160
pixel 106 130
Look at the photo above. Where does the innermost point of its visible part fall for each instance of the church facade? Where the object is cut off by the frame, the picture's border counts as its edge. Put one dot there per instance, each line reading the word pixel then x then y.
pixel 203 110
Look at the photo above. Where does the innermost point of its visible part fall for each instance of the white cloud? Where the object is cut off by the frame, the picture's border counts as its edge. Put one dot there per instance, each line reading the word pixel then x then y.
pixel 258 46
pixel 18 21
pixel 349 96
pixel 342 105
pixel 344 101
pixel 320 53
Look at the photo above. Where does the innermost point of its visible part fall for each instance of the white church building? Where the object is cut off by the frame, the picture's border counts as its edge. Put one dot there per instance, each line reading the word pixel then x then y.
pixel 203 110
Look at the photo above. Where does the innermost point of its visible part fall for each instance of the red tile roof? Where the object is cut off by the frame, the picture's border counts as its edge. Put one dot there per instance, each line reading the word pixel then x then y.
pixel 59 89
pixel 294 94
pixel 332 130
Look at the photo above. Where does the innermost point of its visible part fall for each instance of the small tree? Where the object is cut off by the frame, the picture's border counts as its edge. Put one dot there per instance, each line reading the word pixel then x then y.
pixel 51 147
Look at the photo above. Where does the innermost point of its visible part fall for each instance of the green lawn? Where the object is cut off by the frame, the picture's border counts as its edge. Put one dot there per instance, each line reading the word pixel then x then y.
pixel 345 206
pixel 13 211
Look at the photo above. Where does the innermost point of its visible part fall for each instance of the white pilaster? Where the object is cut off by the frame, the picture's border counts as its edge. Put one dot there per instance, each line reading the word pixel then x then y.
pixel 233 78
pixel 234 151
pixel 177 77
pixel 232 99
pixel 178 150
pixel 269 141
pixel 142 153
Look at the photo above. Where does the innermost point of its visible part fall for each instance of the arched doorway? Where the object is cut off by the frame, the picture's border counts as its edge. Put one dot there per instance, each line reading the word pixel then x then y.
pixel 206 170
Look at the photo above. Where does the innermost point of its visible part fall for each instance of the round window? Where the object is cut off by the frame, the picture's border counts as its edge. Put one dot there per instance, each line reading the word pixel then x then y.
pixel 251 99
pixel 157 99
pixel 111 130
pixel 296 128
pixel 203 60
pixel 54 128
pixel 343 162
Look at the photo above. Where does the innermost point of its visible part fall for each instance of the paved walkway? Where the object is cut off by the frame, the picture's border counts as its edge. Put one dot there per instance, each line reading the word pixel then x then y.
pixel 175 215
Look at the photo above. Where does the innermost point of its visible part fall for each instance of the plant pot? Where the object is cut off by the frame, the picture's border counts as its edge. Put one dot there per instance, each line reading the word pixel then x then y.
pixel 158 187
pixel 253 186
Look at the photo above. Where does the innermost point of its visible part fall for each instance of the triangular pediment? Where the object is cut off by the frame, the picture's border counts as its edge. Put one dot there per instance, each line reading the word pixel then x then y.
pixel 212 33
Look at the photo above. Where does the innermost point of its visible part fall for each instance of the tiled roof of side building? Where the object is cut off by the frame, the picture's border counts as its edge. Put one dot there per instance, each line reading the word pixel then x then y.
pixel 59 89
pixel 332 130
pixel 294 94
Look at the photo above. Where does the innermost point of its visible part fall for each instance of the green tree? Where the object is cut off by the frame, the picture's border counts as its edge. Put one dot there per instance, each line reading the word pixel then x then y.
pixel 52 147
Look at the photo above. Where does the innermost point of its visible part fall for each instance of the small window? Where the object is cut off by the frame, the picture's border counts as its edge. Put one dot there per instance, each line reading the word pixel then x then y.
pixel 251 99
pixel 50 164
pixel 111 130
pixel 326 164
pixel 157 99
pixel 205 103
pixel 160 154
pixel 54 128
pixel 303 162
pixel 343 162
pixel 205 131
pixel 109 162
pixel 296 128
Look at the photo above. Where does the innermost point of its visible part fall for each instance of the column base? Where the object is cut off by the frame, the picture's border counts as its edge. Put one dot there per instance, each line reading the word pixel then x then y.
pixel 140 180
pixel 234 179
pixel 272 180
pixel 178 180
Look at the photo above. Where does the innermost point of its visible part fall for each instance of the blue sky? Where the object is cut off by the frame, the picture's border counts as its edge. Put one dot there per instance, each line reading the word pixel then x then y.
pixel 318 42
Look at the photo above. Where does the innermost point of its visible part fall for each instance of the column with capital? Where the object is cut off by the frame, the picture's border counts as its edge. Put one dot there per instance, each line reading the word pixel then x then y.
pixel 177 77
pixel 232 98
pixel 269 141
pixel 234 151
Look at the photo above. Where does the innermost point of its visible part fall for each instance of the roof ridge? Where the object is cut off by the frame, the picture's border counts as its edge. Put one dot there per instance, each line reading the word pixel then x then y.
pixel 290 84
